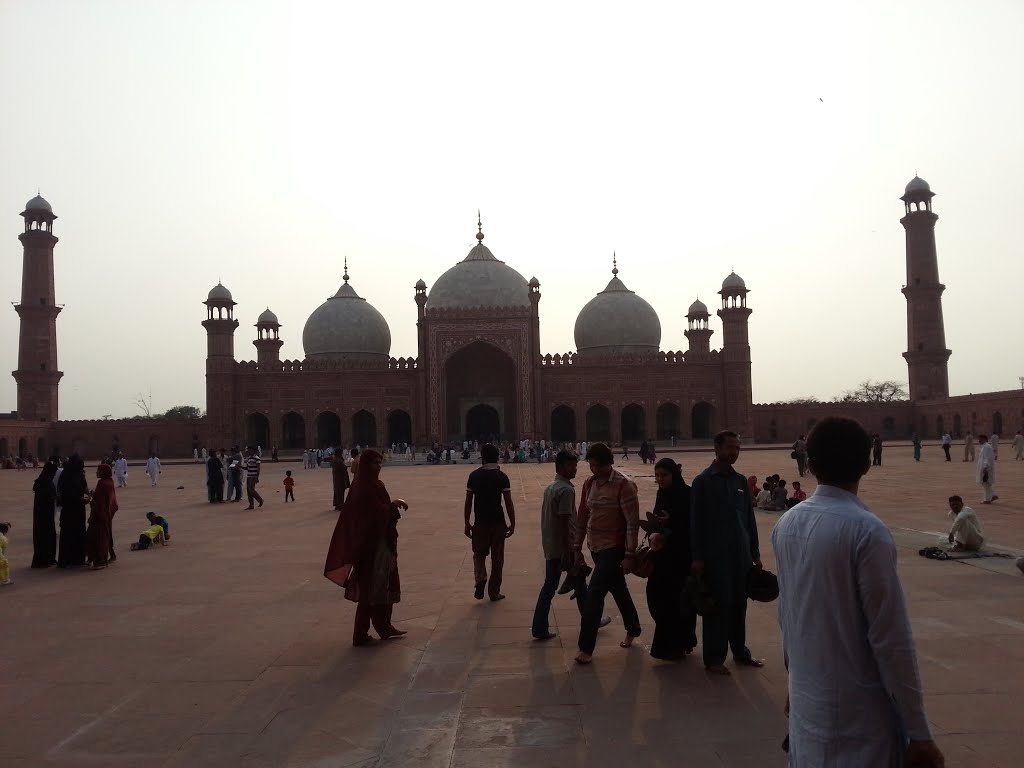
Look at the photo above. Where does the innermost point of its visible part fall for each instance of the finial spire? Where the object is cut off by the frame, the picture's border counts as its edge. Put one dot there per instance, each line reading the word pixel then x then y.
pixel 615 265
pixel 345 276
pixel 479 228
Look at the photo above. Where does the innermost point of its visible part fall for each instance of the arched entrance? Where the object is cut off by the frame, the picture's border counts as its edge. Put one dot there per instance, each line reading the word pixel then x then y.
pixel 40 449
pixel 483 423
pixel 599 424
pixel 4 448
pixel 957 425
pixel 257 431
pixel 888 427
pixel 633 423
pixel 23 447
pixel 399 427
pixel 997 423
pixel 563 424
pixel 667 419
pixel 153 446
pixel 293 432
pixel 364 429
pixel 940 426
pixel 702 419
pixel 328 429
pixel 480 374
pixel 922 431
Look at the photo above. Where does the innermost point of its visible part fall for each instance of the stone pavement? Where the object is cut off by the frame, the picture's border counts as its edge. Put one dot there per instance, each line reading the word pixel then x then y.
pixel 229 648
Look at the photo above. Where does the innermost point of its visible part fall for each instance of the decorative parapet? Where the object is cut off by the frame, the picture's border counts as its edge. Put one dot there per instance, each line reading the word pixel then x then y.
pixel 360 364
pixel 644 358
pixel 477 313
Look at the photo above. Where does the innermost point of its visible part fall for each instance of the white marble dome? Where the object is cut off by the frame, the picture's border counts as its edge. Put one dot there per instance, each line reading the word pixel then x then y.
pixel 733 282
pixel 346 326
pixel 479 280
pixel 38 203
pixel 917 184
pixel 219 293
pixel 617 321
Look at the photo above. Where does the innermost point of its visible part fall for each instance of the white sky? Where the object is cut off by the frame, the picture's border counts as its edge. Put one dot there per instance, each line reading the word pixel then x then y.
pixel 258 142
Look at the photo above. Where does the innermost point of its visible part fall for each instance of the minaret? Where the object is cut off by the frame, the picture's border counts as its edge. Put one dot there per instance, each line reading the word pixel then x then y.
pixel 268 340
pixel 220 325
pixel 37 373
pixel 736 356
pixel 927 357
pixel 697 331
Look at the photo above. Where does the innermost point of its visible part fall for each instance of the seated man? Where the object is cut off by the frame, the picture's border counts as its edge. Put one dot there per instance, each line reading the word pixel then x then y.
pixel 779 496
pixel 764 497
pixel 799 494
pixel 966 531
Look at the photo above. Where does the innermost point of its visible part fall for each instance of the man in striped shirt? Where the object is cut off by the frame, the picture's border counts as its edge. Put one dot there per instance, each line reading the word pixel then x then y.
pixel 608 519
pixel 252 476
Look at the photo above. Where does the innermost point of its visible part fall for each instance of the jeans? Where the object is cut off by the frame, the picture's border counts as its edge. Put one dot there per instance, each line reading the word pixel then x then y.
pixel 489 539
pixel 607 577
pixel 552 571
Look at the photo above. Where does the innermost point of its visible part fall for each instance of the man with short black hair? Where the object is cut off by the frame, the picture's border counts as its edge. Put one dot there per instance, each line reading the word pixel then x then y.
pixel 855 692
pixel 966 532
pixel 723 539
pixel 608 519
pixel 252 478
pixel 486 488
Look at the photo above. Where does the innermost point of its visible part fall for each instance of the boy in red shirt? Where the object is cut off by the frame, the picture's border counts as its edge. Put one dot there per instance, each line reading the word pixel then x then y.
pixel 289 484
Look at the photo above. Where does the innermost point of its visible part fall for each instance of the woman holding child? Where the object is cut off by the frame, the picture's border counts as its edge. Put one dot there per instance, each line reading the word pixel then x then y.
pixel 363 555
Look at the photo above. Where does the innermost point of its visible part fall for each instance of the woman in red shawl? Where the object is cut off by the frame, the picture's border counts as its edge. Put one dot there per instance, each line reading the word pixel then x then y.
pixel 99 540
pixel 363 556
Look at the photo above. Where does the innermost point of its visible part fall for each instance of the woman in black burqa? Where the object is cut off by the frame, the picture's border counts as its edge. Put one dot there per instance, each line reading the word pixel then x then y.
pixel 73 491
pixel 44 527
pixel 675 620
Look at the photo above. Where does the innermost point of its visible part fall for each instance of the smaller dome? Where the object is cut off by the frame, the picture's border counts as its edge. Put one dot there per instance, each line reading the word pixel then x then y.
pixel 534 282
pixel 420 285
pixel 698 308
pixel 219 293
pixel 38 203
pixel 734 282
pixel 917 184
pixel 267 318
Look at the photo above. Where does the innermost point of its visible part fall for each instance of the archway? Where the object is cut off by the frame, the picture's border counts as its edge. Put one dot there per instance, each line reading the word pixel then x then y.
pixel 293 432
pixel 957 425
pixel 480 374
pixel 667 420
pixel 40 449
pixel 702 419
pixel 483 423
pixel 399 427
pixel 4 448
pixel 997 423
pixel 922 431
pixel 888 427
pixel 23 447
pixel 599 423
pixel 632 421
pixel 364 429
pixel 940 425
pixel 257 431
pixel 563 424
pixel 328 429
pixel 153 446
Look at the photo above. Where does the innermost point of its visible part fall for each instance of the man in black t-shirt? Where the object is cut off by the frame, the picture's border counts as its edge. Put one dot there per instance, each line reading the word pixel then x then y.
pixel 485 489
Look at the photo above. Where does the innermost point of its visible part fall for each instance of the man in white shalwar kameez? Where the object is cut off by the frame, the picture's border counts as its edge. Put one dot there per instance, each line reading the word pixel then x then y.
pixel 121 470
pixel 986 474
pixel 966 532
pixel 1018 446
pixel 153 468
pixel 855 695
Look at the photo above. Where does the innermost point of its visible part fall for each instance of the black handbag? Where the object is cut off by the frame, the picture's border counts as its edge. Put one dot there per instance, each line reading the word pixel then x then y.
pixel 762 585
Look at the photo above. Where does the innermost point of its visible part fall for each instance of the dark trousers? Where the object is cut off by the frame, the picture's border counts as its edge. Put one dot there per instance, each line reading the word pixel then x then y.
pixel 251 492
pixel 235 486
pixel 801 463
pixel 289 494
pixel 725 629
pixel 675 620
pixel 876 458
pixel 946 449
pixel 215 492
pixel 489 540
pixel 378 615
pixel 552 571
pixel 607 577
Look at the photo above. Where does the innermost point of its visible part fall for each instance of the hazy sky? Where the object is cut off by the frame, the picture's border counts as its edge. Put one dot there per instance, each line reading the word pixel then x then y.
pixel 259 142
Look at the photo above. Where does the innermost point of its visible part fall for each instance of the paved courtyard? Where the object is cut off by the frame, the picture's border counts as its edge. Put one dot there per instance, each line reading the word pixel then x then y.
pixel 229 648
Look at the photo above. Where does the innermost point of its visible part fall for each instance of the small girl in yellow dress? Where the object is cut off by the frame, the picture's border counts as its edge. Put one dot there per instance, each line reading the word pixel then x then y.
pixel 5 571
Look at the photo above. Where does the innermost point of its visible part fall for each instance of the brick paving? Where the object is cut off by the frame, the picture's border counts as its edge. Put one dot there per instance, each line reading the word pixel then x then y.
pixel 229 648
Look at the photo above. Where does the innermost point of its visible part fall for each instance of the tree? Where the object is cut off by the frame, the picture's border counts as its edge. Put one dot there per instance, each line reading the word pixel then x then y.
pixel 146 406
pixel 181 412
pixel 869 391
pixel 809 400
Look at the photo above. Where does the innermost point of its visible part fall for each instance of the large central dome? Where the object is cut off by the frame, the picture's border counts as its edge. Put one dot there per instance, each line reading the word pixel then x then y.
pixel 479 280
pixel 346 326
pixel 617 322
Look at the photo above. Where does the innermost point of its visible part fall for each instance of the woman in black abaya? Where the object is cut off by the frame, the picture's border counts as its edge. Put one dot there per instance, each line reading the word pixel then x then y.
pixel 44 528
pixel 73 490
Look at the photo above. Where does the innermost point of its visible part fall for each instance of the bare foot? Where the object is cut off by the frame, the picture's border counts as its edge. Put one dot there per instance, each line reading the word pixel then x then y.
pixel 628 642
pixel 583 658
pixel 718 669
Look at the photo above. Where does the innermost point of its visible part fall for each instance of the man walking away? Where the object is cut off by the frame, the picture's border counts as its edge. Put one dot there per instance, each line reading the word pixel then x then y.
pixel 986 474
pixel 608 519
pixel 486 488
pixel 800 454
pixel 252 477
pixel 1018 446
pixel 947 443
pixel 214 479
pixel 969 447
pixel 725 548
pixel 855 694
pixel 876 450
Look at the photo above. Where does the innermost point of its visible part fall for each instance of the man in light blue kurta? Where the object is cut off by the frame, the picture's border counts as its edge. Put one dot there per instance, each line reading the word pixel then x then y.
pixel 854 686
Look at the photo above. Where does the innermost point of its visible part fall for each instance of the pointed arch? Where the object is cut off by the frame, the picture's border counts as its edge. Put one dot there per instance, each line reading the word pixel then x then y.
pixel 599 423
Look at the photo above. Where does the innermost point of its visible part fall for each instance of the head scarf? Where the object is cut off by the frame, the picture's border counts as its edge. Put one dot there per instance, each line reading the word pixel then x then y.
pixel 103 472
pixel 364 519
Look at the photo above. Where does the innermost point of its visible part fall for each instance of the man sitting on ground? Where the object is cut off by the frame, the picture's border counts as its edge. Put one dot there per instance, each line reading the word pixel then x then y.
pixel 966 532
pixel 764 497
pixel 779 496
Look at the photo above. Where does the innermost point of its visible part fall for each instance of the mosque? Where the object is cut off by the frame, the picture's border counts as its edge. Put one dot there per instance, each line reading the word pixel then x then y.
pixel 479 372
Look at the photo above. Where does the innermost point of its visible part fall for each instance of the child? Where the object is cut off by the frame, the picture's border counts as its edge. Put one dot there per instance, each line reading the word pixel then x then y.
pixel 155 519
pixel 5 573
pixel 289 484
pixel 150 537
